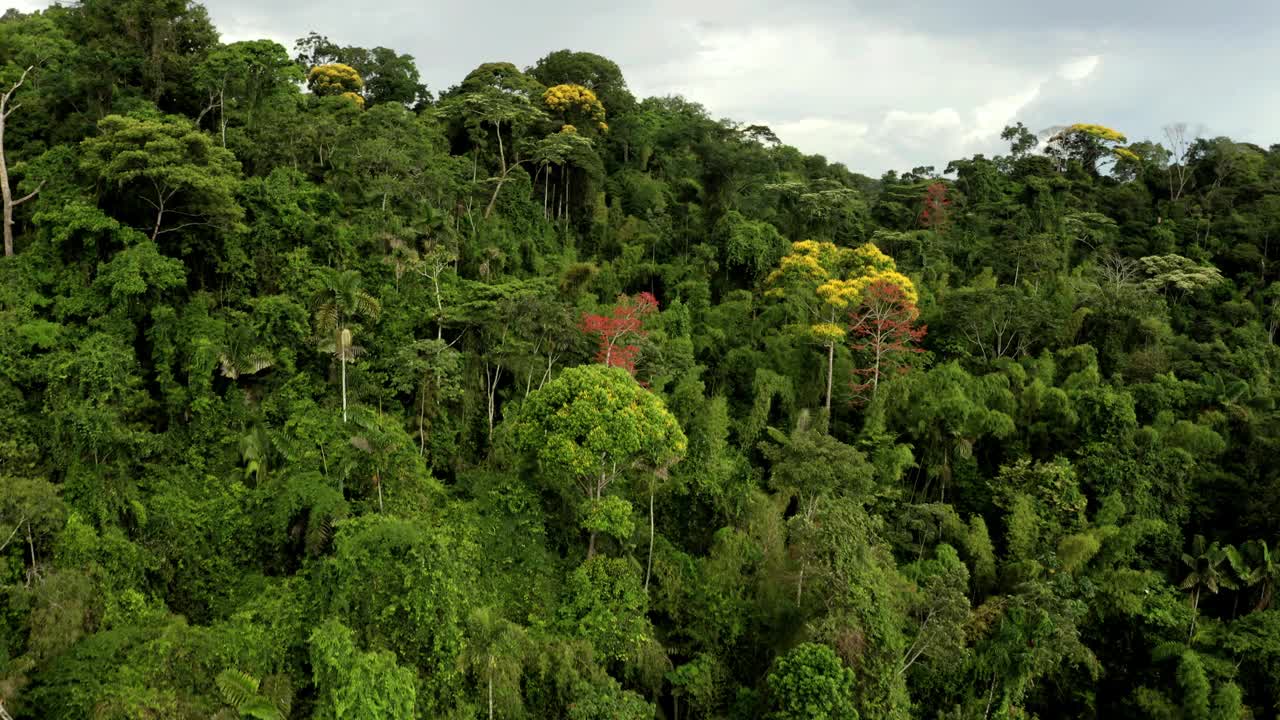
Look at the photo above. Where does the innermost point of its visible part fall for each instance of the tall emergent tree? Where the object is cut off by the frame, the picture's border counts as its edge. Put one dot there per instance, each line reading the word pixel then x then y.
pixel 821 280
pixel 593 425
pixel 165 164
pixel 7 109
pixel 883 328
pixel 30 46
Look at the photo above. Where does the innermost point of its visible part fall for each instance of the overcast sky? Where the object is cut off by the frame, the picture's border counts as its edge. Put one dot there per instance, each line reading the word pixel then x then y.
pixel 876 84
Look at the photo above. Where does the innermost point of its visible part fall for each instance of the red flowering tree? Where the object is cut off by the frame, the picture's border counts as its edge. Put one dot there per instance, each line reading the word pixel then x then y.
pixel 882 330
pixel 935 212
pixel 617 332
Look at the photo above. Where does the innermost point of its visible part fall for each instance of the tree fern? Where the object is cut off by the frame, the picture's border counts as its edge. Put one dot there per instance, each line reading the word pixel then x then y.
pixel 240 690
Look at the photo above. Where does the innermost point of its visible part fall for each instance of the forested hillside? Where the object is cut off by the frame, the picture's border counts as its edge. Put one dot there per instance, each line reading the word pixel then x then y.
pixel 325 394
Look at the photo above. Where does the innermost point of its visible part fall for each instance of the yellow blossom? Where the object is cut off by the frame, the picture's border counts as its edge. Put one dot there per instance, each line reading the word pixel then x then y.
pixel 568 98
pixel 334 79
pixel 839 278
pixel 828 332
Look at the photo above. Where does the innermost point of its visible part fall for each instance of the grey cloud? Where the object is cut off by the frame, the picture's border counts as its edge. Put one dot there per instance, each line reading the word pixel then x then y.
pixel 877 84
pixel 1128 16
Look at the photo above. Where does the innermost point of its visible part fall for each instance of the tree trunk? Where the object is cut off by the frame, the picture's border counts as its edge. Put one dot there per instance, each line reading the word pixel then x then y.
pixel 160 197
pixel 1195 610
pixel 222 115
pixel 31 545
pixel 875 378
pixel 4 183
pixel 344 384
pixel 648 570
pixel 502 159
pixel 5 191
pixel 493 200
pixel 492 391
pixel 831 369
pixel 435 282
pixel 490 694
pixel 422 413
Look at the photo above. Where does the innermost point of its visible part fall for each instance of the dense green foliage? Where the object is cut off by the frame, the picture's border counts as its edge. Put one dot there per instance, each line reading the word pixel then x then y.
pixel 324 396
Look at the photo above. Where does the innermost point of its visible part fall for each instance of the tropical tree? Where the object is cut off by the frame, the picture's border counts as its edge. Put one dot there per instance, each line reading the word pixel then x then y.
pixel 823 280
pixel 1182 275
pixel 575 105
pixel 1255 565
pixel 6 109
pixel 241 79
pixel 388 76
pixel 594 424
pixel 883 328
pixel 599 74
pixel 336 80
pixel 495 654
pixel 32 46
pixel 341 300
pixel 242 353
pixel 812 467
pixel 1089 144
pixel 935 208
pixel 499 98
pixel 614 331
pixel 169 166
pixel 1205 571
pixel 810 682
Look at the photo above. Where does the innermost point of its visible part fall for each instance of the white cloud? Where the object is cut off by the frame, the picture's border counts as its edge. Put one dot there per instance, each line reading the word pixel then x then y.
pixel 254 27
pixel 26 6
pixel 917 128
pixel 836 139
pixel 873 96
pixel 993 116
pixel 1077 69
pixel 902 139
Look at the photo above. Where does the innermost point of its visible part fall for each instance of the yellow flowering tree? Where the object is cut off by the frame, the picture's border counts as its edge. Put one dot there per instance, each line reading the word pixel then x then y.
pixel 336 79
pixel 825 281
pixel 1091 144
pixel 575 104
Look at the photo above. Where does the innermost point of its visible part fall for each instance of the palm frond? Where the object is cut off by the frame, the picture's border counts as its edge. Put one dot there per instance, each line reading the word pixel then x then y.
pixel 261 708
pixel 366 304
pixel 237 687
pixel 326 316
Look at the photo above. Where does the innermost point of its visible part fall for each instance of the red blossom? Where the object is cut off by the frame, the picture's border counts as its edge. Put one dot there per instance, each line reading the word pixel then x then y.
pixel 882 330
pixel 623 324
pixel 936 209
